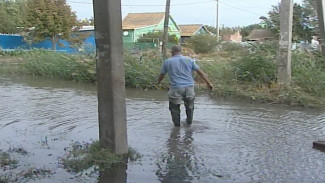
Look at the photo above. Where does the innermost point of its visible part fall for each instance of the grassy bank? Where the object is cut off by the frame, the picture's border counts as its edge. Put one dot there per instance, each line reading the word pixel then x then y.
pixel 251 73
pixel 236 71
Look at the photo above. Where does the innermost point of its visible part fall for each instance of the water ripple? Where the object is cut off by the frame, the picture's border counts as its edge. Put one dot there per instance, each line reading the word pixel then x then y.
pixel 229 141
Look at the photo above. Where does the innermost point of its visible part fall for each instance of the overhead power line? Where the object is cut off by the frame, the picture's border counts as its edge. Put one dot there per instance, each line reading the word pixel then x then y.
pixel 161 5
pixel 79 2
pixel 239 8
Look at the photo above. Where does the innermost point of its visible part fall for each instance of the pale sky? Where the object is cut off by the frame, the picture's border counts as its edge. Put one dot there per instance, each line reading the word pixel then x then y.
pixel 231 12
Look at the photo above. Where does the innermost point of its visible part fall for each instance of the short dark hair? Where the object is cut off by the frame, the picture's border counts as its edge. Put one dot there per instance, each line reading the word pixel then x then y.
pixel 177 49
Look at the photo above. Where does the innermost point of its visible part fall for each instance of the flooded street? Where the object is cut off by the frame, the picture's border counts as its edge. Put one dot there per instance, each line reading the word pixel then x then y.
pixel 229 142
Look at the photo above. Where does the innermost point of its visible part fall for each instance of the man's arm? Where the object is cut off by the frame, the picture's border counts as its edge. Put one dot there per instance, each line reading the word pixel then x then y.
pixel 160 78
pixel 205 78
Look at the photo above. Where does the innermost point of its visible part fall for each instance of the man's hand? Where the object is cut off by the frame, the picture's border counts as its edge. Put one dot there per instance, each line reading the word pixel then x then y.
pixel 210 86
pixel 205 78
pixel 160 78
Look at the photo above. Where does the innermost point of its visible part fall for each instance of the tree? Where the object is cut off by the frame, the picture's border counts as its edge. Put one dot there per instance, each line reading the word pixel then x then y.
pixel 86 22
pixel 51 19
pixel 223 30
pixel 12 15
pixel 304 20
pixel 211 29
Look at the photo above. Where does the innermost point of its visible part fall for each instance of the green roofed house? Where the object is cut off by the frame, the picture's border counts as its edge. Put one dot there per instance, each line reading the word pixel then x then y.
pixel 137 24
pixel 189 30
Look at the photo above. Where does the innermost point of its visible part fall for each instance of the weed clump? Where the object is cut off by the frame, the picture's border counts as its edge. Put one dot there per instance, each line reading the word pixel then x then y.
pixel 11 171
pixel 82 157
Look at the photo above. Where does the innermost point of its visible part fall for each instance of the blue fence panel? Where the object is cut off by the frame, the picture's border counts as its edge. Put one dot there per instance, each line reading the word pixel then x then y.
pixel 12 42
pixel 17 42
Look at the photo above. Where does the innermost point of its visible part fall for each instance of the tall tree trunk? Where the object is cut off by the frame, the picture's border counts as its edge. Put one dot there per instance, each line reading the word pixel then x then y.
pixel 54 40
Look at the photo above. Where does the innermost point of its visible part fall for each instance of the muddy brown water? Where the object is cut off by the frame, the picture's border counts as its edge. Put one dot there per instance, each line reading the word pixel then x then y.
pixel 229 142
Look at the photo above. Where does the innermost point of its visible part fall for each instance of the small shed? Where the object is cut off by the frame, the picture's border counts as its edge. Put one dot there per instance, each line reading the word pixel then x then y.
pixel 189 30
pixel 261 35
pixel 136 25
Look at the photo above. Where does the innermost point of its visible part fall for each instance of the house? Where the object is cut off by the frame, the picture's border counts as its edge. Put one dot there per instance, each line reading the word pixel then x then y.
pixel 189 30
pixel 261 35
pixel 136 25
pixel 235 38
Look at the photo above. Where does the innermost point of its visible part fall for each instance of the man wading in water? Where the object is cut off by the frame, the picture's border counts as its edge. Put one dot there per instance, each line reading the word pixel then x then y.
pixel 179 69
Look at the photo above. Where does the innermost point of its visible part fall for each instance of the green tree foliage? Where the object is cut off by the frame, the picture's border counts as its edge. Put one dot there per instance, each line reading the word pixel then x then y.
pixel 51 18
pixel 157 37
pixel 203 43
pixel 227 31
pixel 211 29
pixel 12 14
pixel 86 22
pixel 223 30
pixel 304 20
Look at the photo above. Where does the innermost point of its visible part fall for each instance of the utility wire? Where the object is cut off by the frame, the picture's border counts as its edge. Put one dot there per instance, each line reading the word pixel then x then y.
pixel 222 2
pixel 239 8
pixel 148 4
pixel 78 2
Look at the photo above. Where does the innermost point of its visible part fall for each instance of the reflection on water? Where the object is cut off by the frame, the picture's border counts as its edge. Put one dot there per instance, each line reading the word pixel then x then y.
pixel 229 142
pixel 116 175
pixel 179 164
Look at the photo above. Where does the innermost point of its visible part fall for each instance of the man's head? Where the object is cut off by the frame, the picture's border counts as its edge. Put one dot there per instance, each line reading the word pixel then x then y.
pixel 176 50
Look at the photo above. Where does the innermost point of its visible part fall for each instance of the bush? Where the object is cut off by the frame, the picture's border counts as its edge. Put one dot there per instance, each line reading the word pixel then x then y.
pixel 203 43
pixel 260 66
pixel 157 37
pixel 308 72
pixel 80 157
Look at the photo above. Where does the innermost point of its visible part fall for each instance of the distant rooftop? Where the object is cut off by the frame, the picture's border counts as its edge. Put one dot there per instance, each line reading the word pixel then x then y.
pixel 189 29
pixel 138 20
pixel 260 34
pixel 87 28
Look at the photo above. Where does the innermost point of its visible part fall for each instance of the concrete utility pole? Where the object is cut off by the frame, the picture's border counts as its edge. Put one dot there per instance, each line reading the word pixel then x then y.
pixel 110 76
pixel 217 20
pixel 321 20
pixel 166 23
pixel 284 63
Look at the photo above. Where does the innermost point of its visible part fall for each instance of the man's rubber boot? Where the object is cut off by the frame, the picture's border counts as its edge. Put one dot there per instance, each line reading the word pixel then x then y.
pixel 175 113
pixel 189 106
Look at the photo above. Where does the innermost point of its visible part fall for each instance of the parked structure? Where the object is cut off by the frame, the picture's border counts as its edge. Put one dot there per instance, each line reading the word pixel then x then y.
pixel 189 30
pixel 261 35
pixel 136 25
pixel 236 37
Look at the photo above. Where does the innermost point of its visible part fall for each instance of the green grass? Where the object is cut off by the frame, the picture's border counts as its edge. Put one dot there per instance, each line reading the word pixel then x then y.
pixel 6 160
pixel 142 72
